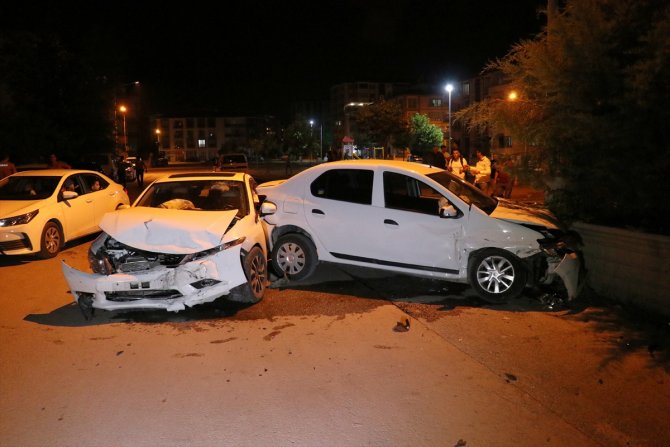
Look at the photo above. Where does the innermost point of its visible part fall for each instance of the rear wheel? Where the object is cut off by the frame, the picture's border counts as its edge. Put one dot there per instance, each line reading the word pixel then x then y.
pixel 294 255
pixel 51 241
pixel 496 275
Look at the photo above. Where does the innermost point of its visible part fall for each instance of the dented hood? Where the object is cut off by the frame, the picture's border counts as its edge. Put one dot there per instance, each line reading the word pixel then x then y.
pixel 166 230
pixel 525 214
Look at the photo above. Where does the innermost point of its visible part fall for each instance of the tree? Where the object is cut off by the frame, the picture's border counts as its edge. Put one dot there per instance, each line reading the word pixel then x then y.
pixel 423 134
pixel 380 124
pixel 594 90
pixel 50 101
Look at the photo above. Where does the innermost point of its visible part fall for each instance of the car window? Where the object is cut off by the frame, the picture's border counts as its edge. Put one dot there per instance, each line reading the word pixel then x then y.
pixel 93 183
pixel 28 188
pixel 347 185
pixel 467 192
pixel 73 183
pixel 406 193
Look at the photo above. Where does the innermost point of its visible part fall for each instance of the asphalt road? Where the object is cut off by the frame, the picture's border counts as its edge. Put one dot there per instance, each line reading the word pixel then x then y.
pixel 324 362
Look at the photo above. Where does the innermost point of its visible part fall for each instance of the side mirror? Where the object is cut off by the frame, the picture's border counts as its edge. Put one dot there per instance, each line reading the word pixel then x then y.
pixel 448 212
pixel 268 208
pixel 69 195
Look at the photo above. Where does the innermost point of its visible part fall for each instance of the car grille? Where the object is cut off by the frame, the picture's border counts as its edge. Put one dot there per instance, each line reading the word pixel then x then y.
pixel 15 245
pixel 135 295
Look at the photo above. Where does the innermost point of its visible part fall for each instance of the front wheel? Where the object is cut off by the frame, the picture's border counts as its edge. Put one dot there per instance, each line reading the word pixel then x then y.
pixel 51 241
pixel 294 255
pixel 496 275
pixel 255 269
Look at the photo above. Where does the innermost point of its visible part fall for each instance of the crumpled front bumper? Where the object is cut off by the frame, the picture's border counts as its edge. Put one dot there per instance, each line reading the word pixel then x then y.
pixel 571 271
pixel 172 289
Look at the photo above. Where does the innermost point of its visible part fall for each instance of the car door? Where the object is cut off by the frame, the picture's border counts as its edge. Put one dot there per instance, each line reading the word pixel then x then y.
pixel 78 213
pixel 410 232
pixel 98 192
pixel 338 209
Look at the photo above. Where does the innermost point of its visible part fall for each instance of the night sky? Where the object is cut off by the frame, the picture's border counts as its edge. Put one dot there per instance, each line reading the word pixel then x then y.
pixel 259 56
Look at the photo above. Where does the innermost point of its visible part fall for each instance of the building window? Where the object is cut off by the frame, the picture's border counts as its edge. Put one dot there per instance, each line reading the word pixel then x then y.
pixel 189 123
pixel 436 102
pixel 190 139
pixel 211 139
pixel 201 143
pixel 201 122
pixel 412 103
pixel 466 88
pixel 211 122
pixel 177 124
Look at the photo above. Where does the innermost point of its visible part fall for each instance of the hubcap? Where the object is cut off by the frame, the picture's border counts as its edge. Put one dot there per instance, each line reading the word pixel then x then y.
pixel 52 240
pixel 257 275
pixel 495 274
pixel 291 258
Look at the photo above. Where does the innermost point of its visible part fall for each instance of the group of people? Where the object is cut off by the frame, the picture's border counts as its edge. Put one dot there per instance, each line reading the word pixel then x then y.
pixel 485 174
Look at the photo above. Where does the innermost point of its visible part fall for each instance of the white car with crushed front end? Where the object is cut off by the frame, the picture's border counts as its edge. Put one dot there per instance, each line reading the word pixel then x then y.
pixel 417 220
pixel 42 210
pixel 188 239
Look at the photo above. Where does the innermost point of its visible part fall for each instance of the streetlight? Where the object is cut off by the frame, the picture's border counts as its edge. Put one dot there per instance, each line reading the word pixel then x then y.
pixel 311 125
pixel 158 137
pixel 123 110
pixel 449 88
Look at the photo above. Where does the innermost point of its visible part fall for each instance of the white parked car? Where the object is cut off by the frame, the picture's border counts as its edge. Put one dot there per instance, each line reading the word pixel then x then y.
pixel 233 162
pixel 414 219
pixel 188 239
pixel 42 210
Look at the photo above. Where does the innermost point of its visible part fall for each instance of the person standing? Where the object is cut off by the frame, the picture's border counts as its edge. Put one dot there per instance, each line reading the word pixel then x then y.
pixel 437 159
pixel 140 167
pixel 445 154
pixel 457 164
pixel 55 163
pixel 481 171
pixel 7 168
pixel 121 172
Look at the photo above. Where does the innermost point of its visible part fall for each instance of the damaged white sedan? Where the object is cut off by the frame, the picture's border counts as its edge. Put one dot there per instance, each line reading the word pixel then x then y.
pixel 417 220
pixel 187 240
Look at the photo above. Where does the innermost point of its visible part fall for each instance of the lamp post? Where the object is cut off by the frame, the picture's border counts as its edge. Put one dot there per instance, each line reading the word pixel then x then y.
pixel 123 110
pixel 449 88
pixel 158 138
pixel 311 126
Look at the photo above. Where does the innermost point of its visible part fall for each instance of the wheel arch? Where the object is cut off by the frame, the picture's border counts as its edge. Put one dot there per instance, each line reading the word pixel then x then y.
pixel 289 229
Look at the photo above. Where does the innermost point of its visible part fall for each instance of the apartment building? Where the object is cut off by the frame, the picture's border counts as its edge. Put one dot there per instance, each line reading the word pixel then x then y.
pixel 203 138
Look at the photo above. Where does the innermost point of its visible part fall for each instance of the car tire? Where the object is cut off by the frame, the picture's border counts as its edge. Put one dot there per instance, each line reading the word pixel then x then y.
pixel 294 256
pixel 496 275
pixel 51 241
pixel 256 270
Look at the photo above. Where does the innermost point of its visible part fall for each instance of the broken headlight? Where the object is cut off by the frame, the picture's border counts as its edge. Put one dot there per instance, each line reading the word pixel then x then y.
pixel 211 251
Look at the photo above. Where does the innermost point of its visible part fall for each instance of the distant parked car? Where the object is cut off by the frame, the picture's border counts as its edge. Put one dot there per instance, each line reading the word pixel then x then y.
pixel 42 210
pixel 188 239
pixel 233 162
pixel 414 219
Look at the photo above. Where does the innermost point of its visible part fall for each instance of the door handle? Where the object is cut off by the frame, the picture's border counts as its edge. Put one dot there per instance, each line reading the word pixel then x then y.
pixel 390 222
pixel 317 211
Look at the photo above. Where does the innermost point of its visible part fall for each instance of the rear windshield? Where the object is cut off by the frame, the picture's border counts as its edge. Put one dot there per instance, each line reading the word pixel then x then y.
pixel 233 159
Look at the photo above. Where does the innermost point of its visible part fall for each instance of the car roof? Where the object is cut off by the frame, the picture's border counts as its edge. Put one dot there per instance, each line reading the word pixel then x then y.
pixel 406 165
pixel 240 176
pixel 54 172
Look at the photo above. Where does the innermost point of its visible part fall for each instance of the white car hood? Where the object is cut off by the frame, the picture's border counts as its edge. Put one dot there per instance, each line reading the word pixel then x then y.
pixel 168 231
pixel 11 208
pixel 528 214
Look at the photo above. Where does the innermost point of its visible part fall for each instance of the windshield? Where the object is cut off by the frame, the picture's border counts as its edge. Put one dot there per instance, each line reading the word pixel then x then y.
pixel 467 192
pixel 201 195
pixel 28 188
